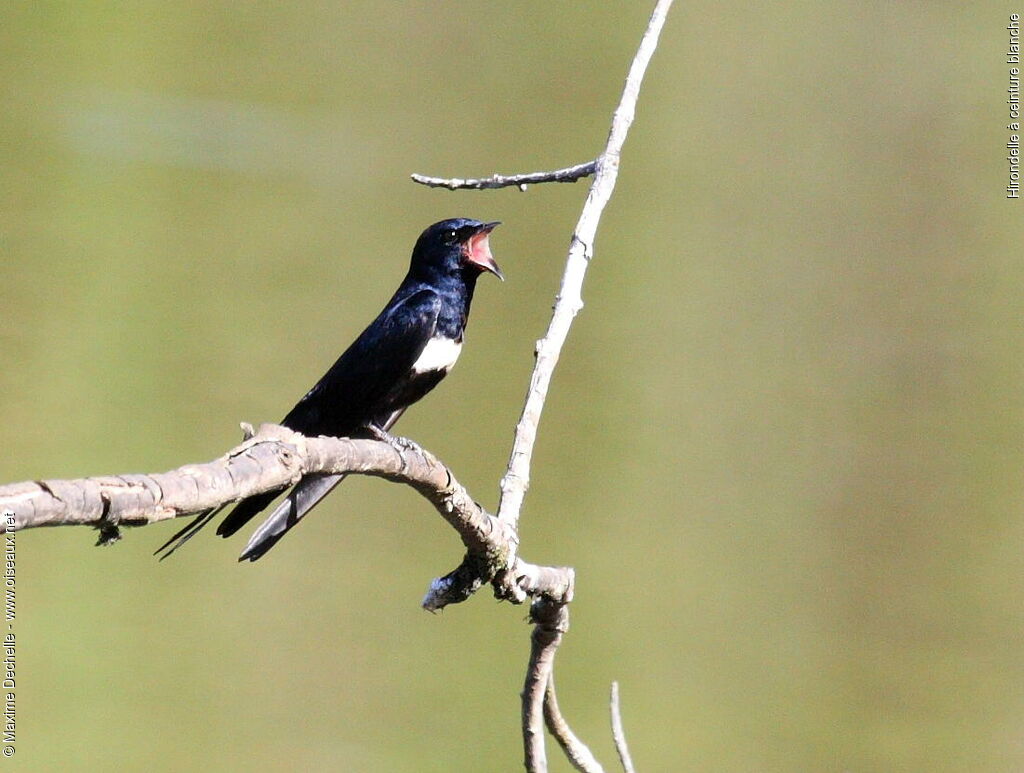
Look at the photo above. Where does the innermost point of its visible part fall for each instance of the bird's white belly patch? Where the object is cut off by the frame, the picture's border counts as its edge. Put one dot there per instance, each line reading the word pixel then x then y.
pixel 438 354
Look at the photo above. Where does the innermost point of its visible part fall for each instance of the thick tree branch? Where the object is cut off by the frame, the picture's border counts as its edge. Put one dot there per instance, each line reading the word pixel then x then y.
pixel 271 459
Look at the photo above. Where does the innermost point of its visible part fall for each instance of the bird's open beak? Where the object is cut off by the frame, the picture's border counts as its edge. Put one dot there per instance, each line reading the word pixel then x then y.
pixel 477 250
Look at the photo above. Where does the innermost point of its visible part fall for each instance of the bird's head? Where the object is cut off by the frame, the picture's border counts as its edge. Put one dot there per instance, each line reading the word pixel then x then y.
pixel 456 246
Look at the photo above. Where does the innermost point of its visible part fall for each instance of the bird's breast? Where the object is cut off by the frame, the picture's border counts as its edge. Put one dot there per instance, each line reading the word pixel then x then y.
pixel 440 353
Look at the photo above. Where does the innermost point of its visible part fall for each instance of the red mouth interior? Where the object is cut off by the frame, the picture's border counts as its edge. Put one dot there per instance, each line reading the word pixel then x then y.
pixel 477 250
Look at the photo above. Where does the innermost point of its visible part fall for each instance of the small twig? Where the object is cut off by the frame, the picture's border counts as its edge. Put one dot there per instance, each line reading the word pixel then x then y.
pixel 618 734
pixel 575 750
pixel 568 175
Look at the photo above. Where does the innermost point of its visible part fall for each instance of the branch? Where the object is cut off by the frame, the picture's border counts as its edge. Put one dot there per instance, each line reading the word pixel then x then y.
pixel 575 750
pixel 272 459
pixel 551 620
pixel 550 615
pixel 568 175
pixel 569 300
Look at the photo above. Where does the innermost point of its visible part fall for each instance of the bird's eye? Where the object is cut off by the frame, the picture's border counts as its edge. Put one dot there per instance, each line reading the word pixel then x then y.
pixel 452 236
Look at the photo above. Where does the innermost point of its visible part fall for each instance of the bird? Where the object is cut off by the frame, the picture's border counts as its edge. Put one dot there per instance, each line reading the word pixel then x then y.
pixel 402 355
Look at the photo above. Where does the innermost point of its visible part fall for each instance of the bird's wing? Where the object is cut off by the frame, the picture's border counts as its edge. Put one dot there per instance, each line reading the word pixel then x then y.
pixel 341 403
pixel 384 353
pixel 349 394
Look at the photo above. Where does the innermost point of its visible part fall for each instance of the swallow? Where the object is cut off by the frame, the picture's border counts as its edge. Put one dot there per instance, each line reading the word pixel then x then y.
pixel 403 354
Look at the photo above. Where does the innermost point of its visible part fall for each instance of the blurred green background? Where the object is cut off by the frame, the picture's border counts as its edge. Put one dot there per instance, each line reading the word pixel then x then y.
pixel 783 448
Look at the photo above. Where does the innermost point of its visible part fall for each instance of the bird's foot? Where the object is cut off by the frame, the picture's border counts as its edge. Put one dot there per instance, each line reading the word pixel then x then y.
pixel 398 443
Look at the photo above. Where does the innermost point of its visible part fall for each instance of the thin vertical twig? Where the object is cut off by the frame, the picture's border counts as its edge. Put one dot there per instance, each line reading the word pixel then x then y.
pixel 569 301
pixel 579 756
pixel 548 613
pixel 618 734
pixel 516 481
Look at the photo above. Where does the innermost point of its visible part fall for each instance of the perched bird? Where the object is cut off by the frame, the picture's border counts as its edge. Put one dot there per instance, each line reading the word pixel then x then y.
pixel 402 355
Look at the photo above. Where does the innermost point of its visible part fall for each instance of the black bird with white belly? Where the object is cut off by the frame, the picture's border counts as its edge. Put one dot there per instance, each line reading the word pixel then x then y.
pixel 402 355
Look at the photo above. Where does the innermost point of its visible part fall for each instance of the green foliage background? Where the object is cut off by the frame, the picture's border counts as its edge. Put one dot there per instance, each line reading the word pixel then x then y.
pixel 783 448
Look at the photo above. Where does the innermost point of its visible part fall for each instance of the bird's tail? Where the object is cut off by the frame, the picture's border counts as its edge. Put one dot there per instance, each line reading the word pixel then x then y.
pixel 303 498
pixel 245 511
pixel 188 532
pixel 235 520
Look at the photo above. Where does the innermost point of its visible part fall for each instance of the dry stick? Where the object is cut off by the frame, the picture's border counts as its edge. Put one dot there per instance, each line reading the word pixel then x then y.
pixel 568 175
pixel 617 732
pixel 551 620
pixel 569 301
pixel 271 459
pixel 575 750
